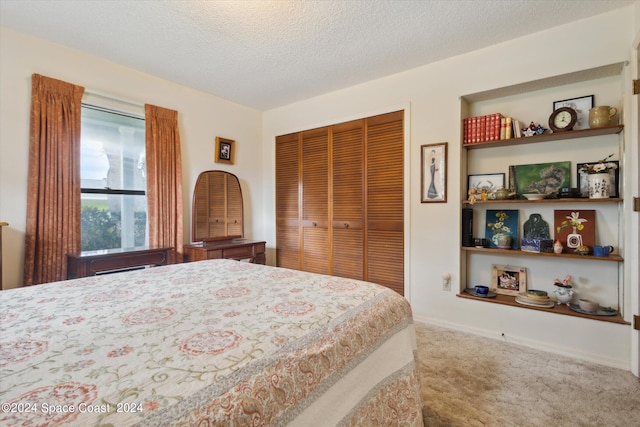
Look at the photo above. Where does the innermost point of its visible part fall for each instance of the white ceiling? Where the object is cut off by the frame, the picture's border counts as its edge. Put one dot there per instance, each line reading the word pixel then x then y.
pixel 266 54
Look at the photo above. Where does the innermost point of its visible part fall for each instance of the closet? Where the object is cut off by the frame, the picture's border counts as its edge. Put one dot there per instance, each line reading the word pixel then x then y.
pixel 339 200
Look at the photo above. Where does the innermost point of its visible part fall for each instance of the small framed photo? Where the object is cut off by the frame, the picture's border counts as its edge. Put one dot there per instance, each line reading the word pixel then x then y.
pixel 488 181
pixel 582 180
pixel 225 150
pixel 508 279
pixel 582 106
pixel 434 173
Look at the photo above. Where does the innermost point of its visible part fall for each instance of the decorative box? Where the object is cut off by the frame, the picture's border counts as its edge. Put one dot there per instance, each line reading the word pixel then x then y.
pixel 536 245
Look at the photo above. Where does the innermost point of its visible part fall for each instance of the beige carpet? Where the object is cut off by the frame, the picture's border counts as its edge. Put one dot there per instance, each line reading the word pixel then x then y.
pixel 475 381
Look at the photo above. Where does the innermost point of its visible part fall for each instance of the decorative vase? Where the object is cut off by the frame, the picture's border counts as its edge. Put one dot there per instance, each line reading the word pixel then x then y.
pixel 574 240
pixel 599 185
pixel 563 294
pixel 502 241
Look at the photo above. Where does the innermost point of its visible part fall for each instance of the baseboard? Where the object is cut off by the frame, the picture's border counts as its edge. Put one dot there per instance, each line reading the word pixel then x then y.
pixel 534 344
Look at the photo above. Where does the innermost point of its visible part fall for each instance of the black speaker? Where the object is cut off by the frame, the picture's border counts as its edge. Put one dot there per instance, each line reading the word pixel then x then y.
pixel 467 227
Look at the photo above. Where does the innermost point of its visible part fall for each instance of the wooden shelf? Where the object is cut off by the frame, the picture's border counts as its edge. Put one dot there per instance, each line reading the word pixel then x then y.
pixel 557 309
pixel 613 258
pixel 557 136
pixel 558 200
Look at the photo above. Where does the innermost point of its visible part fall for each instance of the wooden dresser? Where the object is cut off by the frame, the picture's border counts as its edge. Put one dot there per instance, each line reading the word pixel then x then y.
pixel 238 249
pixel 91 263
pixel 2 224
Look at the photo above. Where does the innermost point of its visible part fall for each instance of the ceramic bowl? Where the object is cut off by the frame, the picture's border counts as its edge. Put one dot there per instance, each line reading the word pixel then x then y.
pixel 535 196
pixel 588 305
pixel 482 290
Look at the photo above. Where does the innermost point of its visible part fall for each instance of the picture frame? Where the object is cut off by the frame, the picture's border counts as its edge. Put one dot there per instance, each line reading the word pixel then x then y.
pixel 584 232
pixel 487 181
pixel 582 180
pixel 542 178
pixel 508 279
pixel 434 173
pixel 502 221
pixel 582 105
pixel 225 150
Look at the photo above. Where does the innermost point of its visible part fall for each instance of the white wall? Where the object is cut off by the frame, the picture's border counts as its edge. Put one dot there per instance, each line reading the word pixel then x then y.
pixel 433 94
pixel 201 118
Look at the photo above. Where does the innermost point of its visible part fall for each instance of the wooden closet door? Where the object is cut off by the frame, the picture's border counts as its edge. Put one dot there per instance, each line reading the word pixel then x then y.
pixel 385 200
pixel 347 205
pixel 288 201
pixel 315 201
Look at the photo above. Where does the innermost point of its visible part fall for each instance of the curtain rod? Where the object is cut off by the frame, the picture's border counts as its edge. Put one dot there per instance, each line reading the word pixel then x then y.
pixel 113 98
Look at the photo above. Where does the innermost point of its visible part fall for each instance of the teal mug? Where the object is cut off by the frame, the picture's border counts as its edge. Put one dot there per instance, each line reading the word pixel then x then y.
pixel 602 250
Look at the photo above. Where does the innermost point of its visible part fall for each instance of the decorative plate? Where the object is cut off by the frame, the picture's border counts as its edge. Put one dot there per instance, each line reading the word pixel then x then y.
pixel 602 311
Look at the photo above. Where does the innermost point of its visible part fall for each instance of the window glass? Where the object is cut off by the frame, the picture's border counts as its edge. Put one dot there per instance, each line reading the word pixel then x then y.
pixel 113 180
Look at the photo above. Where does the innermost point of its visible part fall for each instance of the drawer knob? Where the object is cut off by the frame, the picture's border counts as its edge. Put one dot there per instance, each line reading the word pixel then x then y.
pixel 346 225
pixel 314 223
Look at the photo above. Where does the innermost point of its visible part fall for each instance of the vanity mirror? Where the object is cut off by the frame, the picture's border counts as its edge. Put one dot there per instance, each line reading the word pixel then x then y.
pixel 217 211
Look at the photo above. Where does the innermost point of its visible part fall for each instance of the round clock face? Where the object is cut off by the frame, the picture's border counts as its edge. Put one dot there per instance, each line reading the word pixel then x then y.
pixel 563 119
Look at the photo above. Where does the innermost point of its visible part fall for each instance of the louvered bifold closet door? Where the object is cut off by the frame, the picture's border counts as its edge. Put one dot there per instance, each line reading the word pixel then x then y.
pixel 348 199
pixel 234 207
pixel 315 201
pixel 385 195
pixel 217 209
pixel 288 202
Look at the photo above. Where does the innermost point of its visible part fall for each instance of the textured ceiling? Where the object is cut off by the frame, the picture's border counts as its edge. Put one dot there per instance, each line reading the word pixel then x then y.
pixel 266 54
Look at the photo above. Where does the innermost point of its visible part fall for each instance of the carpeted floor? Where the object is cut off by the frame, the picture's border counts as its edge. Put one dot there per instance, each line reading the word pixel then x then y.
pixel 469 380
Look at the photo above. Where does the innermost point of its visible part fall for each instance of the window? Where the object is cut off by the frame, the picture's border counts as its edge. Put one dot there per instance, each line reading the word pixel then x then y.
pixel 113 179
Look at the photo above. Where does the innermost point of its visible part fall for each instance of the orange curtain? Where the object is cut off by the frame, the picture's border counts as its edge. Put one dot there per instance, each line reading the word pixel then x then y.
pixel 164 179
pixel 53 188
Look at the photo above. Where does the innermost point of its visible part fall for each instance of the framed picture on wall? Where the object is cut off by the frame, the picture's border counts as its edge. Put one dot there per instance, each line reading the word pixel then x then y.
pixel 225 150
pixel 434 173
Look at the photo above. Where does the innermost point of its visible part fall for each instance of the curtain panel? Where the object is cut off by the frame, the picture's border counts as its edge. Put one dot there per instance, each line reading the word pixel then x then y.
pixel 53 188
pixel 164 179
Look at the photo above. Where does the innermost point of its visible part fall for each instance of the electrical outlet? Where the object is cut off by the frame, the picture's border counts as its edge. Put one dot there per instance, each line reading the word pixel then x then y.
pixel 446 282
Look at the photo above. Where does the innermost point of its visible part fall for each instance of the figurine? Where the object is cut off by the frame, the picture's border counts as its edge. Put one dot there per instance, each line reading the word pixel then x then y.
pixel 472 196
pixel 557 247
pixel 484 195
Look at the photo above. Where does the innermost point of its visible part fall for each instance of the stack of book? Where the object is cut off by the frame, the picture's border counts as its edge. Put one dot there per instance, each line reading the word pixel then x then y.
pixel 491 127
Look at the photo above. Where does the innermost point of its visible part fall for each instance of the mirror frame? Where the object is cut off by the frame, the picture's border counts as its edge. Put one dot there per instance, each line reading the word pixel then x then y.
pixel 205 179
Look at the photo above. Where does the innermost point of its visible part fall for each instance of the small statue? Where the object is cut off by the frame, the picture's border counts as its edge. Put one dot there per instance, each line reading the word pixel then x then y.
pixel 557 247
pixel 484 195
pixel 472 196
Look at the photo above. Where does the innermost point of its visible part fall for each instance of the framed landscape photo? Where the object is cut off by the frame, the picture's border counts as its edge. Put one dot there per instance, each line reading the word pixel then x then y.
pixel 225 150
pixel 508 279
pixel 582 180
pixel 582 106
pixel 434 173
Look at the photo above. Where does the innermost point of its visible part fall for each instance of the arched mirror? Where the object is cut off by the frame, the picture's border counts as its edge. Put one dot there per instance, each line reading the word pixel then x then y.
pixel 217 211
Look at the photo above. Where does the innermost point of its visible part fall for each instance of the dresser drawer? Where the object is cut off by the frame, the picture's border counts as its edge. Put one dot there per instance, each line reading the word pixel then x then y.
pixel 240 252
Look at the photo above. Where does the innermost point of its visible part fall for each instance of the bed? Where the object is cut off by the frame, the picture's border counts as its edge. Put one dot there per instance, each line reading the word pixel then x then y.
pixel 209 343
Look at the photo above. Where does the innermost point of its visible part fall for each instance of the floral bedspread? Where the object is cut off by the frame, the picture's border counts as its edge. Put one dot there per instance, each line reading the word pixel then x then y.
pixel 211 343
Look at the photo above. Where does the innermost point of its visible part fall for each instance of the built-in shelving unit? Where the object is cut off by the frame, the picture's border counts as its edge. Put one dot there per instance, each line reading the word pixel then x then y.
pixel 577 146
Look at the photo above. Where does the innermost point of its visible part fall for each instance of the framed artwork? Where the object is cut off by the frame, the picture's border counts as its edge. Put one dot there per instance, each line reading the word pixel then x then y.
pixel 582 106
pixel 434 173
pixel 582 182
pixel 225 150
pixel 574 228
pixel 501 221
pixel 489 182
pixel 508 279
pixel 542 178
